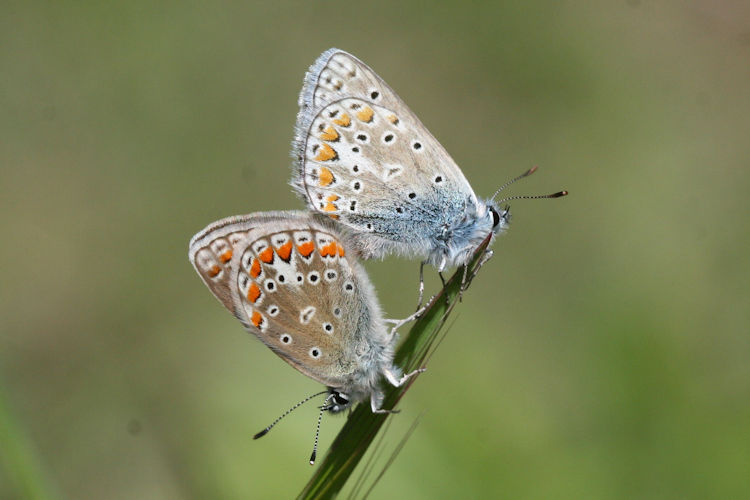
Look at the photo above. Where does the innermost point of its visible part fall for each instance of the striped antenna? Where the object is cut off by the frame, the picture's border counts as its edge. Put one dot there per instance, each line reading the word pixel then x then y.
pixel 559 194
pixel 290 410
pixel 323 408
pixel 525 174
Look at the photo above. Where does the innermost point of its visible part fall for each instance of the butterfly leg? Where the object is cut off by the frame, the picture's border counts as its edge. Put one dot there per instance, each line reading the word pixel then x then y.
pixel 442 280
pixel 463 284
pixel 398 323
pixel 468 279
pixel 421 285
pixel 440 269
pixel 376 399
pixel 398 382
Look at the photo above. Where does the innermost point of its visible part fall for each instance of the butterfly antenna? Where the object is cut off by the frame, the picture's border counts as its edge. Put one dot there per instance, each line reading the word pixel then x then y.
pixel 559 194
pixel 290 410
pixel 525 174
pixel 323 408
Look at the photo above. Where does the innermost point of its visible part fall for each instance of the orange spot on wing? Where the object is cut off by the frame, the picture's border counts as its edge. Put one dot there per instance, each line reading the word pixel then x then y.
pixel 329 206
pixel 226 256
pixel 393 119
pixel 329 250
pixel 365 114
pixel 343 120
pixel 341 250
pixel 326 176
pixel 253 294
pixel 306 248
pixel 266 255
pixel 255 268
pixel 214 271
pixel 329 134
pixel 256 319
pixel 284 251
pixel 326 153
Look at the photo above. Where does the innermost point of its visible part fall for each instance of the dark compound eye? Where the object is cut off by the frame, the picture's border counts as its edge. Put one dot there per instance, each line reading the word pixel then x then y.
pixel 339 399
pixel 495 217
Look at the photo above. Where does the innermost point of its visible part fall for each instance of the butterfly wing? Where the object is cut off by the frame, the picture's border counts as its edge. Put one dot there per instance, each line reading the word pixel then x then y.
pixel 288 279
pixel 365 159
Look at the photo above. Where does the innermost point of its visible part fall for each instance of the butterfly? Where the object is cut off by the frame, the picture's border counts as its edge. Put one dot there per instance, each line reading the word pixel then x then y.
pixel 292 281
pixel 363 158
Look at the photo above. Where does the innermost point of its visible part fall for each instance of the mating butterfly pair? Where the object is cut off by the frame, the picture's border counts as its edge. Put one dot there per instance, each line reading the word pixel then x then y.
pixel 376 182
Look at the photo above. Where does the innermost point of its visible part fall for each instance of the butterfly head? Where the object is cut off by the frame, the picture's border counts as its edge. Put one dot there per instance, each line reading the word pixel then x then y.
pixel 500 217
pixel 336 401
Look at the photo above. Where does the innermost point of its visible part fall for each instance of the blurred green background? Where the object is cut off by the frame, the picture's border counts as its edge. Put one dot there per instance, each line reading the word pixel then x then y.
pixel 603 352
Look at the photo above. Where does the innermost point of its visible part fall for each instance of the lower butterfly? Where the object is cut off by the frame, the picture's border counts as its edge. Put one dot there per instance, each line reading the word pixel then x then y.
pixel 293 283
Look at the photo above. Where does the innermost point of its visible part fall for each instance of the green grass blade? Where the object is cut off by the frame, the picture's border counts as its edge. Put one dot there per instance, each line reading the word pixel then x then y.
pixel 363 425
pixel 22 466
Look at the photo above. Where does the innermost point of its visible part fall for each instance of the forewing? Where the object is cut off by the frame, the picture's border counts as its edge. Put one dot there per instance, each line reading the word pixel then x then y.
pixel 291 284
pixel 211 251
pixel 364 158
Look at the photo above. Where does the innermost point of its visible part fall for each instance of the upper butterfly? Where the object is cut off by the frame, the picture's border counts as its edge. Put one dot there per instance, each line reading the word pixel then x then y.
pixel 363 158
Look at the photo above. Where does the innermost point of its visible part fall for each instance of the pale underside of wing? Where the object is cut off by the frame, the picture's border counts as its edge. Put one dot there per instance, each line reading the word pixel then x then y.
pixel 292 285
pixel 365 159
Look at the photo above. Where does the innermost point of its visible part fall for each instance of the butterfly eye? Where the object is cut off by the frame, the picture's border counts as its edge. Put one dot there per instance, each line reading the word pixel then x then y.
pixel 495 216
pixel 339 399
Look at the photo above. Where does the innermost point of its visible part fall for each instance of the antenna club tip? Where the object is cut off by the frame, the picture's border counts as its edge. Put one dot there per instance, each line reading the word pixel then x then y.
pixel 532 170
pixel 562 193
pixel 261 434
pixel 312 458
